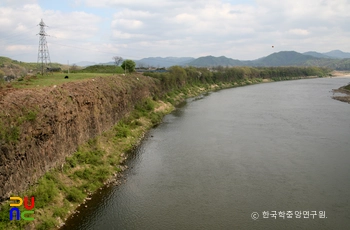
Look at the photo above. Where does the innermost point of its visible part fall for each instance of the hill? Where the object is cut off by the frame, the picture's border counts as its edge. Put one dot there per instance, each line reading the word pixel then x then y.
pixel 283 58
pixel 316 54
pixel 338 54
pixel 215 61
pixel 12 69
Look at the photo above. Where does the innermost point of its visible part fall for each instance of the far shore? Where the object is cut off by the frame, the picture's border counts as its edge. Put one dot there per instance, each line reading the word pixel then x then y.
pixel 341 74
pixel 344 90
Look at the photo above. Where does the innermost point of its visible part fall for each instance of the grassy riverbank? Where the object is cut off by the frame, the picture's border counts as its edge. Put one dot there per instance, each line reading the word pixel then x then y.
pixel 101 160
pixel 61 190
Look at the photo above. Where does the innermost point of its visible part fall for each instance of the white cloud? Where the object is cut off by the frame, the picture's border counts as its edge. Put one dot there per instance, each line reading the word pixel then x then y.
pixel 19 48
pixel 127 23
pixel 141 28
pixel 301 32
pixel 19 29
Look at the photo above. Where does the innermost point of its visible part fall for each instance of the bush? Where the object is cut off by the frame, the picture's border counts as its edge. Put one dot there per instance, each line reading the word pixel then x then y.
pixel 71 161
pixel 84 174
pixel 75 195
pixel 60 212
pixel 45 192
pixel 129 65
pixel 123 130
pixel 47 224
pixel 156 118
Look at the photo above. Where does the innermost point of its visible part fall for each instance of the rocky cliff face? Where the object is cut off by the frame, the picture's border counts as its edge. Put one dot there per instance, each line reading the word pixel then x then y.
pixel 40 127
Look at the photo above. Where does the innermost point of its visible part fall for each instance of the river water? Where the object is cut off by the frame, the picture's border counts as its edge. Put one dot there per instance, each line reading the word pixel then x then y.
pixel 266 148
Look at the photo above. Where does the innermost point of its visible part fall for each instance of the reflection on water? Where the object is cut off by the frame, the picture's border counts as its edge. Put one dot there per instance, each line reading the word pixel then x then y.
pixel 213 162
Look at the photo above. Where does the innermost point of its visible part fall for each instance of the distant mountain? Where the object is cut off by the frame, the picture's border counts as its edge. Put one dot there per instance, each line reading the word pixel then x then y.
pixel 335 59
pixel 163 62
pixel 107 63
pixel 316 54
pixel 150 62
pixel 283 58
pixel 215 61
pixel 85 63
pixel 337 54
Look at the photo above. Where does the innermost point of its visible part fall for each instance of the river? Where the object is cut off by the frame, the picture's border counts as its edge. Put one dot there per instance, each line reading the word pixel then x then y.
pixel 235 158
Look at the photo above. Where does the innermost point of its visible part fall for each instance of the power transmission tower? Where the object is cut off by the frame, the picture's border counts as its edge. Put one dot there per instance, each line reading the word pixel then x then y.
pixel 43 52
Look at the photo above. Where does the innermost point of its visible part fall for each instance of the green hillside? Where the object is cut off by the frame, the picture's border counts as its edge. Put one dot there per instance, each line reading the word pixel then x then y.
pixel 283 58
pixel 215 61
pixel 13 69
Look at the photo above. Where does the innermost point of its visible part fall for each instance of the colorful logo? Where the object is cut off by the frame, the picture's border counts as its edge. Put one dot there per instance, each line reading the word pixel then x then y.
pixel 17 212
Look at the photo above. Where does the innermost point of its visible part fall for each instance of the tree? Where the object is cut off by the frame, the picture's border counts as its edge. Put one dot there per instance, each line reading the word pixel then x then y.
pixel 117 60
pixel 74 67
pixel 129 65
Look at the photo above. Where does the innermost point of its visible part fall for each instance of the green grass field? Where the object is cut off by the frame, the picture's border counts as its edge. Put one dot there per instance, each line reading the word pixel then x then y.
pixel 54 79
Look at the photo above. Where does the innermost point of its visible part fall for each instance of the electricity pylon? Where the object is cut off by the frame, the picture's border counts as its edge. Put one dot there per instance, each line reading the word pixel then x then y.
pixel 43 51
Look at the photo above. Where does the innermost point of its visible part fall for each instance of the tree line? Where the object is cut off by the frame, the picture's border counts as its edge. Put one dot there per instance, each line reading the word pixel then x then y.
pixel 178 77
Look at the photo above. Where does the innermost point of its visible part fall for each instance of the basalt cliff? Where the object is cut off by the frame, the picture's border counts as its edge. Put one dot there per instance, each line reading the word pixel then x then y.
pixel 40 127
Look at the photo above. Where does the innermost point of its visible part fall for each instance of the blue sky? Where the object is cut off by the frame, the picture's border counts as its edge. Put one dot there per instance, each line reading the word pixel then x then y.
pixel 97 30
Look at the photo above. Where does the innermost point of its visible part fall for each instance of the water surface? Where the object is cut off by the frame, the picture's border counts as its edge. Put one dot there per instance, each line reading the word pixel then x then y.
pixel 281 146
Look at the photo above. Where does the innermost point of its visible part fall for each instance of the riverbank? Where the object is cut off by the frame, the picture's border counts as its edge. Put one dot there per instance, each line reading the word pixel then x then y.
pixel 345 91
pixel 340 74
pixel 98 162
pixel 81 117
pixel 235 152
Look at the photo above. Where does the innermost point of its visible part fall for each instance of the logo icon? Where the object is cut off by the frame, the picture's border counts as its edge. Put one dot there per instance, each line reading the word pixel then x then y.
pixel 24 214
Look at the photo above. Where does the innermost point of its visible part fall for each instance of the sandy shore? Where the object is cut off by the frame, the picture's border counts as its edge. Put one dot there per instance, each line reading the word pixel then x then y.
pixel 341 74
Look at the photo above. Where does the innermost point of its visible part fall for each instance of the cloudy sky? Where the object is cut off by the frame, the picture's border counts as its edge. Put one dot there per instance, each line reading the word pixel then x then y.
pixel 97 30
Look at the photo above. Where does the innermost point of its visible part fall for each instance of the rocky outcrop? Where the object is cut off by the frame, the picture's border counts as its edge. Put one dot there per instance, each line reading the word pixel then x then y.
pixel 345 91
pixel 41 127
